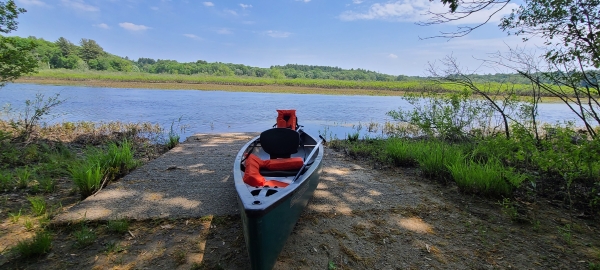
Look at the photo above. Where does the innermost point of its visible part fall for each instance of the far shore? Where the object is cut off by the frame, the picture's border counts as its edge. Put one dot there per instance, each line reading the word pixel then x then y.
pixel 225 87
pixel 212 87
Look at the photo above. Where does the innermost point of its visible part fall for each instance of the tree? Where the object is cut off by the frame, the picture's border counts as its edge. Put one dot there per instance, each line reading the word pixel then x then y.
pixel 8 16
pixel 66 47
pixel 90 50
pixel 16 56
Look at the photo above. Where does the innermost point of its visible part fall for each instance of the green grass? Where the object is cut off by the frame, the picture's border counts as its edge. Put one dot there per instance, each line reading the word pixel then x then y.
pixel 118 226
pixel 38 205
pixel 6 180
pixel 84 237
pixel 23 177
pixel 490 178
pixel 400 86
pixel 40 244
pixel 87 176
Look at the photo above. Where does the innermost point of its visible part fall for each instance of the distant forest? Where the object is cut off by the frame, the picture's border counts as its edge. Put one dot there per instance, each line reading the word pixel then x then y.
pixel 89 55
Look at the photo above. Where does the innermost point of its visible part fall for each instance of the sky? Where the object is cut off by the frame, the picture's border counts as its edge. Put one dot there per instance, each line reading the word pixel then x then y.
pixel 382 36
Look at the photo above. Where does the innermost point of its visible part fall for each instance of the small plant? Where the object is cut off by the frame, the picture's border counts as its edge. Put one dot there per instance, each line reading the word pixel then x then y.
pixel 118 226
pixel 15 217
pixel 38 205
pixel 509 209
pixel 113 247
pixel 353 137
pixel 331 265
pixel 40 244
pixel 33 113
pixel 6 180
pixel 180 256
pixel 28 224
pixel 47 184
pixel 84 237
pixel 23 177
pixel 567 233
pixel 174 136
pixel 87 176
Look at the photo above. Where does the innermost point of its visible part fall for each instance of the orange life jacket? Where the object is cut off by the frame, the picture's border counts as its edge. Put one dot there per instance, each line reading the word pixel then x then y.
pixel 252 174
pixel 286 119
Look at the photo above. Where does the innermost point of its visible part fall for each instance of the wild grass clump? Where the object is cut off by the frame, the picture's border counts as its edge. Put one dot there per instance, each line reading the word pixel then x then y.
pixel 99 167
pixel 118 226
pixel 84 237
pixel 38 205
pixel 6 180
pixel 490 178
pixel 40 244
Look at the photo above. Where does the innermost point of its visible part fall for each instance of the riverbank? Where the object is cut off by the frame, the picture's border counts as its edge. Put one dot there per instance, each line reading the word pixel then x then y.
pixel 362 216
pixel 211 87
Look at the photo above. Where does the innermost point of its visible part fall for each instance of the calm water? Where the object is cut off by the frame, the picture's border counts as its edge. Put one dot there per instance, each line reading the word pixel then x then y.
pixel 219 111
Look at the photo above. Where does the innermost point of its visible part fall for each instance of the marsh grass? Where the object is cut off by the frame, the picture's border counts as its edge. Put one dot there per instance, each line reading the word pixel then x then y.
pixel 40 244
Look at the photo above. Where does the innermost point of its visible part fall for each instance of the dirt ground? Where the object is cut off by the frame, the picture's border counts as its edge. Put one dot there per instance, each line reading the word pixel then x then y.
pixel 362 216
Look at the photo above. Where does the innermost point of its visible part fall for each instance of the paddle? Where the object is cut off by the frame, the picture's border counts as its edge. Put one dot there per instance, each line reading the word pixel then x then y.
pixel 308 158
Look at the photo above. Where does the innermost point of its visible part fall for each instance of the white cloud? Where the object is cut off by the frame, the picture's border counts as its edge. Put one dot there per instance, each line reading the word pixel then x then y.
pixel 102 25
pixel 357 1
pixel 224 31
pixel 209 4
pixel 79 5
pixel 134 27
pixel 244 6
pixel 393 56
pixel 192 36
pixel 232 12
pixel 277 34
pixel 416 10
pixel 32 3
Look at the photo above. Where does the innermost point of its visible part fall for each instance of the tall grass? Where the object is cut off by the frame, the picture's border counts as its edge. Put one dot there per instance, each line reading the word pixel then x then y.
pixel 489 178
pixel 87 176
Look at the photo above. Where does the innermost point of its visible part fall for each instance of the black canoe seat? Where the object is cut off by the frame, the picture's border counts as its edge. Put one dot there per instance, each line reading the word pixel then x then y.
pixel 280 142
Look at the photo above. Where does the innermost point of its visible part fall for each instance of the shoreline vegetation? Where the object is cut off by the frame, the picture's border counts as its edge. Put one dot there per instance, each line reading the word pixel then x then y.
pixel 256 84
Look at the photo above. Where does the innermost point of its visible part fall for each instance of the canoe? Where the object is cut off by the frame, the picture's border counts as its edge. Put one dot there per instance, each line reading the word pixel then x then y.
pixel 269 213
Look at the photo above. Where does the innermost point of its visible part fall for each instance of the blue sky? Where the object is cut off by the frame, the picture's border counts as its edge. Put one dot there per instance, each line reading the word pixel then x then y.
pixel 375 35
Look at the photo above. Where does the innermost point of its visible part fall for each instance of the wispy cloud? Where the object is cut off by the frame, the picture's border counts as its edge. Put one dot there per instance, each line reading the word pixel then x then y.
pixel 102 25
pixel 224 31
pixel 393 56
pixel 209 4
pixel 192 36
pixel 232 12
pixel 33 3
pixel 277 34
pixel 416 10
pixel 134 27
pixel 244 6
pixel 79 5
pixel 357 1
pixel 305 1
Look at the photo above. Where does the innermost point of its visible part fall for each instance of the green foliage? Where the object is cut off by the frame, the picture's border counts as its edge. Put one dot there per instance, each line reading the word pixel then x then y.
pixel 90 50
pixel 435 156
pixel 16 58
pixel 33 112
pixel 490 178
pixel 38 205
pixel 9 12
pixel 40 244
pixel 23 177
pixel 173 136
pixel 84 237
pixel 118 226
pixel 87 176
pixel 403 152
pixel 6 180
pixel 448 117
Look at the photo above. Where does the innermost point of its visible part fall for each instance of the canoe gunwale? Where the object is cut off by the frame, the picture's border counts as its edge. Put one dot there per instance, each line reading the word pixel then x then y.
pixel 247 199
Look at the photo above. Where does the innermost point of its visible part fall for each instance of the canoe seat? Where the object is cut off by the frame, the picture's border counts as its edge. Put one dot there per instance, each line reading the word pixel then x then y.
pixel 270 173
pixel 280 142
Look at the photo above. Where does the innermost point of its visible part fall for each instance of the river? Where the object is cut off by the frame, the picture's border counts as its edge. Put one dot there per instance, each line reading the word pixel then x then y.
pixel 220 111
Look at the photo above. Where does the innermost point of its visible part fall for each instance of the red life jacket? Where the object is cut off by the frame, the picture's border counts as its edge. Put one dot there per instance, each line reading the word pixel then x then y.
pixel 286 119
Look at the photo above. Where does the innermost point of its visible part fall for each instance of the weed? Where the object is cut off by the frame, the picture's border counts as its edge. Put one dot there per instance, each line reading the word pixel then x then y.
pixel 38 245
pixel 15 217
pixel 23 177
pixel 331 265
pixel 118 226
pixel 567 233
pixel 84 237
pixel 47 184
pixel 173 137
pixel 113 247
pixel 28 224
pixel 38 205
pixel 6 179
pixel 509 209
pixel 180 256
pixel 87 176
